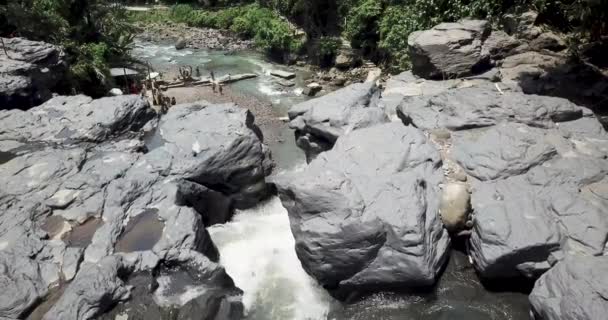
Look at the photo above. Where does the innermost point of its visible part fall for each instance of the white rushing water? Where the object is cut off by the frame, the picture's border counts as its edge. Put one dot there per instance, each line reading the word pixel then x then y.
pixel 257 250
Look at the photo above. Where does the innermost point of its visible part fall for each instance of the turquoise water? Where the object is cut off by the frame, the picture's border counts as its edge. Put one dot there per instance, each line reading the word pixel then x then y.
pixel 265 87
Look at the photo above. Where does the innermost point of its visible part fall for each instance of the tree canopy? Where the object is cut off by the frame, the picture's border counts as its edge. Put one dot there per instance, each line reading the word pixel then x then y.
pixel 94 33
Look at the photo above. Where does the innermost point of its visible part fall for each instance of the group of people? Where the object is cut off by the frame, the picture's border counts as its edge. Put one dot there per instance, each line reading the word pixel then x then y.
pixel 158 98
pixel 165 102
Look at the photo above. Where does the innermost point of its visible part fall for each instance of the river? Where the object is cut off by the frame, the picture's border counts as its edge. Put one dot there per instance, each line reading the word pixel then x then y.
pixel 257 247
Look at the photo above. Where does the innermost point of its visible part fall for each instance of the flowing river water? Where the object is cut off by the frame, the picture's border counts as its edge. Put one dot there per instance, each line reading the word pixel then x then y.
pixel 257 246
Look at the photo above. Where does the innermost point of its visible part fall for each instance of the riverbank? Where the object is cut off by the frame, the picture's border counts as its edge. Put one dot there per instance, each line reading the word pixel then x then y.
pixel 265 117
pixel 238 29
pixel 191 37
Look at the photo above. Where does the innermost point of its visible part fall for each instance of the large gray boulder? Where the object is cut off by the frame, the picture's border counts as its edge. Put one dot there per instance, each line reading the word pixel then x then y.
pixel 225 154
pixel 319 122
pixel 75 119
pixel 449 50
pixel 536 192
pixel 521 222
pixel 504 150
pixel 30 73
pixel 365 214
pixel 574 289
pixel 477 107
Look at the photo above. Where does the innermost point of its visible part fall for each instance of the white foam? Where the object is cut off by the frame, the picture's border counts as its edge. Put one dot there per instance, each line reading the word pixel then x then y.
pixel 257 250
pixel 163 297
pixel 268 89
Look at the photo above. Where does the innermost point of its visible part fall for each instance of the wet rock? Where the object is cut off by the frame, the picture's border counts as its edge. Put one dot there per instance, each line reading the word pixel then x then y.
pixel 22 285
pixel 312 89
pixel 576 288
pixel 365 214
pixel 141 233
pixel 186 292
pixel 319 122
pixel 455 206
pixel 283 74
pixel 197 290
pixel 30 73
pixel 95 289
pixel 478 107
pixel 181 44
pixel 236 77
pixel 339 81
pixel 449 49
pixel 286 83
pixel 346 59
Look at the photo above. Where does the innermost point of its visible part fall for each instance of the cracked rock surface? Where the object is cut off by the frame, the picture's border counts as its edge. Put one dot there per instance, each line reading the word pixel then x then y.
pixel 96 192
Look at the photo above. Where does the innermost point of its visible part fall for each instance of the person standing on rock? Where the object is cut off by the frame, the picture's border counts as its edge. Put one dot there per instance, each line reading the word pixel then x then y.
pixel 198 72
pixel 220 87
pixel 212 77
pixel 154 101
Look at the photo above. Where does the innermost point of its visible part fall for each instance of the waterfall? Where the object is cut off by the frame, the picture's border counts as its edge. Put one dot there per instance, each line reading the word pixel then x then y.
pixel 258 251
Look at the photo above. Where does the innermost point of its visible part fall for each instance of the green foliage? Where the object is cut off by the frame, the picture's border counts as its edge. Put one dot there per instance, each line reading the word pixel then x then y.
pixel 362 25
pixel 91 67
pixel 328 46
pixel 269 31
pixel 396 24
pixel 94 33
pixel 325 50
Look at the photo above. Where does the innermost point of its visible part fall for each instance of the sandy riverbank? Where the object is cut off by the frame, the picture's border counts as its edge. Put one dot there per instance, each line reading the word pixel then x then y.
pixel 265 116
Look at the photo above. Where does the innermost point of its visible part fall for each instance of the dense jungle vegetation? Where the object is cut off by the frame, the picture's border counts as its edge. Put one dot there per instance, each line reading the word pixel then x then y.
pixel 97 33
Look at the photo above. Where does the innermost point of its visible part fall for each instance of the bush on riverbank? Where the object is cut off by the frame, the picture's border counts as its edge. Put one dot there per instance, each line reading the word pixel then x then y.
pixel 92 32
